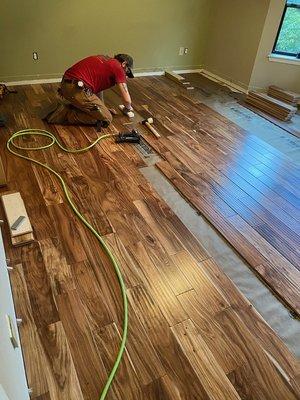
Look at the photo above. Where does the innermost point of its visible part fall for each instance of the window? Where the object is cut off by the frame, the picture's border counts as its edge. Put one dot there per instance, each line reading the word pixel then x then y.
pixel 288 37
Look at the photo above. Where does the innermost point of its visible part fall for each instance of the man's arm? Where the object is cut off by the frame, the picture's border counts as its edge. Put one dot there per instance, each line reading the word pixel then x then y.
pixel 125 95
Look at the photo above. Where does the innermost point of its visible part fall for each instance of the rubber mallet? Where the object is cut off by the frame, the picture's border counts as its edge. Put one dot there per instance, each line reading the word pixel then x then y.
pixel 148 122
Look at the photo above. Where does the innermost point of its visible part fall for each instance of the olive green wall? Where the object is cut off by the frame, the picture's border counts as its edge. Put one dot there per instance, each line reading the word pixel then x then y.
pixel 266 72
pixel 235 28
pixel 64 31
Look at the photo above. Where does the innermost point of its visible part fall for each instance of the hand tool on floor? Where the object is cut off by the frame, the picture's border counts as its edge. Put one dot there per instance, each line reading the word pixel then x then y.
pixel 18 222
pixel 125 111
pixel 128 137
pixel 148 122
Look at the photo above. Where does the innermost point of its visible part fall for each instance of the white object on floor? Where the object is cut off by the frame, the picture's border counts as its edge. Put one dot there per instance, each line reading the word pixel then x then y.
pixel 14 208
pixel 130 114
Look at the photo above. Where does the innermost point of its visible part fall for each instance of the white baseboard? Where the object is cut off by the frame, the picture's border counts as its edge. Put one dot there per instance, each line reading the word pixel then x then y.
pixel 231 85
pixel 33 82
pixel 136 74
pixel 187 71
pixel 208 74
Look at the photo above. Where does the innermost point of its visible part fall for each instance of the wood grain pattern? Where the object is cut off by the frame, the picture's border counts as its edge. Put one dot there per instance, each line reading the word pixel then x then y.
pixel 87 360
pixel 192 334
pixel 31 344
pixel 209 372
pixel 62 377
pixel 233 179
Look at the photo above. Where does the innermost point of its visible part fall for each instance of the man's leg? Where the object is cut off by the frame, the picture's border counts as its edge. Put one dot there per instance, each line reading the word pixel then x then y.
pixel 79 107
pixel 87 107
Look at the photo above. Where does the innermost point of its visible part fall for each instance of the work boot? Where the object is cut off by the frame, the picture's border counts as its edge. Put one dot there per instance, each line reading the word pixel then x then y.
pixel 101 124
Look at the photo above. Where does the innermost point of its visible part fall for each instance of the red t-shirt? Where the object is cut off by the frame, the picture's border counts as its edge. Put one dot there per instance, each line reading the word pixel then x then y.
pixel 97 72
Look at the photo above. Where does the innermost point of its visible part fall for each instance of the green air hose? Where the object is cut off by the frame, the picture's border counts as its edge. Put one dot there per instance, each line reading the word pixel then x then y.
pixel 11 146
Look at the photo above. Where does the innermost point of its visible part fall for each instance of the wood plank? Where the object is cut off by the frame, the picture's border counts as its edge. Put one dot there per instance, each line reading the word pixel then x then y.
pixel 38 285
pixel 62 377
pixel 266 337
pixel 161 290
pixel 267 378
pixel 211 375
pixel 59 271
pixel 31 345
pixel 92 377
pixel 66 228
pixel 14 208
pixel 209 296
pixel 126 383
pixel 174 77
pixel 224 351
pixel 22 239
pixel 172 357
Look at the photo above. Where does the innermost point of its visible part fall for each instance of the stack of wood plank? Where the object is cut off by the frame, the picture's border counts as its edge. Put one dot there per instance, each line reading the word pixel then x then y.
pixel 178 79
pixel 284 95
pixel 270 105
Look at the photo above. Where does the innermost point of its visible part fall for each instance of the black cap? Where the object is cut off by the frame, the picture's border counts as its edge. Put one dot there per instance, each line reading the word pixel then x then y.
pixel 129 63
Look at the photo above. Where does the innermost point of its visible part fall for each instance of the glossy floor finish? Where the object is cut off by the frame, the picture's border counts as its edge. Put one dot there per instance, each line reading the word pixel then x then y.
pixel 192 334
pixel 248 190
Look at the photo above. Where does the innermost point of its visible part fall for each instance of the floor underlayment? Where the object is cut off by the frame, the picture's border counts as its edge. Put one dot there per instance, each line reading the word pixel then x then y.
pixel 272 310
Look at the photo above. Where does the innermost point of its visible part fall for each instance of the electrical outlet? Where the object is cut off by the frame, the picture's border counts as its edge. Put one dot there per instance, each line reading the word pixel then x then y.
pixel 186 50
pixel 181 51
pixel 35 55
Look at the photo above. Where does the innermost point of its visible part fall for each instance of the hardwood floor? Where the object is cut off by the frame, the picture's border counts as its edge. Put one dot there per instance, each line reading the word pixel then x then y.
pixel 192 334
pixel 248 190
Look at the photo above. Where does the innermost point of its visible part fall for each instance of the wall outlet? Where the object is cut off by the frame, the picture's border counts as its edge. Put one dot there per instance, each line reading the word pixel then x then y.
pixel 181 51
pixel 186 50
pixel 35 55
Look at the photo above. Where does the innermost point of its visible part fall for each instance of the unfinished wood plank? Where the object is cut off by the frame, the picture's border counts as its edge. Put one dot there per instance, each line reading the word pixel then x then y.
pixel 272 106
pixel 14 208
pixel 22 239
pixel 284 95
pixel 174 77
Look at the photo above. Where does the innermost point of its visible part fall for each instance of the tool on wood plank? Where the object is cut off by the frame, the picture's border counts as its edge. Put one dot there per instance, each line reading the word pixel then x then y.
pixel 148 122
pixel 125 111
pixel 13 147
pixel 128 137
pixel 18 222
